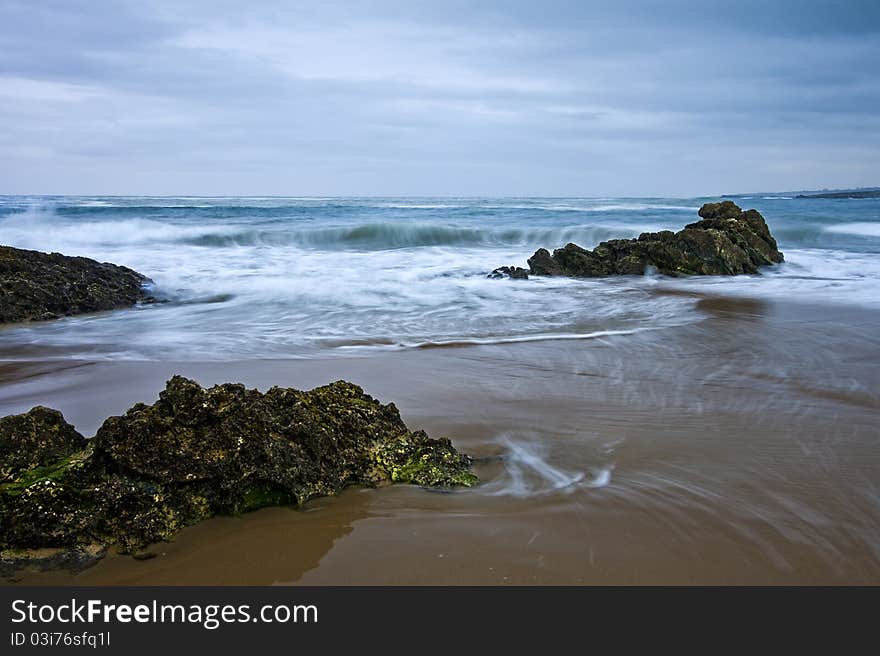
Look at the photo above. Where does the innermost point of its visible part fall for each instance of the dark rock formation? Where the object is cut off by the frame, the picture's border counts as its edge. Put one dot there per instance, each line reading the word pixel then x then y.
pixel 36 286
pixel 37 438
pixel 510 272
pixel 727 241
pixel 193 454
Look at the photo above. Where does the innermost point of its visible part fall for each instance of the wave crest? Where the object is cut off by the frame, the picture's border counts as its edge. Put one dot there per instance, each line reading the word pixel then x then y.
pixel 382 236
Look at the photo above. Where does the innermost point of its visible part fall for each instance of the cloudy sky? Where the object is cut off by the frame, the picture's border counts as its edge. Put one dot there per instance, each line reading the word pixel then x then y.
pixel 437 98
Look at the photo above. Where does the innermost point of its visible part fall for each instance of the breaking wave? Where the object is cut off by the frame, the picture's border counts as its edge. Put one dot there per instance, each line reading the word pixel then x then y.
pixel 33 230
pixel 859 228
pixel 381 236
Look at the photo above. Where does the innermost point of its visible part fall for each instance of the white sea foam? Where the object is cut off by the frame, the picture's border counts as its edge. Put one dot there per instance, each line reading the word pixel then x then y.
pixel 289 278
pixel 95 203
pixel 861 228
pixel 547 337
pixel 615 207
pixel 528 471
pixel 41 232
pixel 416 206
pixel 807 275
pixel 634 207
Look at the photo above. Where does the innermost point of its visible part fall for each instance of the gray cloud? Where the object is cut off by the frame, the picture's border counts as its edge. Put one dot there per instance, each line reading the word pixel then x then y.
pixel 559 98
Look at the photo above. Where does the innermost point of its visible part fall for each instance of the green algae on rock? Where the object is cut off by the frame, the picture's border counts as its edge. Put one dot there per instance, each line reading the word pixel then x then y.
pixel 727 241
pixel 34 440
pixel 193 454
pixel 37 286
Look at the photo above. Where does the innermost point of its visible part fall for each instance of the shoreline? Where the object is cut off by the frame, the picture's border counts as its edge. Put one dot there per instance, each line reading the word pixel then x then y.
pixel 737 450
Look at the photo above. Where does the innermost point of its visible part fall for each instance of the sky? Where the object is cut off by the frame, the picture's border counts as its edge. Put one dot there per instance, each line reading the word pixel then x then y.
pixel 381 98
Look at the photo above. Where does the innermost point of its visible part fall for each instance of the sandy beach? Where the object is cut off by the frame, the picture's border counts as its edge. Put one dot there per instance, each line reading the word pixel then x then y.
pixel 737 450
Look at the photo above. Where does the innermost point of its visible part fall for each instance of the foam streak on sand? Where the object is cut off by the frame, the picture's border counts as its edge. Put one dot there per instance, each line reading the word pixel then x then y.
pixel 528 472
pixel 484 341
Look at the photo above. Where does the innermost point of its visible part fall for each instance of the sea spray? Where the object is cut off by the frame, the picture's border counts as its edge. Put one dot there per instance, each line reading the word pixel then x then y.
pixel 317 277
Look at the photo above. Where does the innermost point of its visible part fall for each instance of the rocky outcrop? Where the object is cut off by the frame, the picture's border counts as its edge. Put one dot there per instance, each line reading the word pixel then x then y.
pixel 510 272
pixel 193 454
pixel 35 439
pixel 36 286
pixel 727 241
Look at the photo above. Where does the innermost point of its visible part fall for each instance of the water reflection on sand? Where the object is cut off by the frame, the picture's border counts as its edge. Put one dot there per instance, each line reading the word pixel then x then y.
pixel 741 449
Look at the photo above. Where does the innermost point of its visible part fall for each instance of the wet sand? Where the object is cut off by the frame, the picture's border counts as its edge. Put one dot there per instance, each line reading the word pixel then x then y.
pixel 744 449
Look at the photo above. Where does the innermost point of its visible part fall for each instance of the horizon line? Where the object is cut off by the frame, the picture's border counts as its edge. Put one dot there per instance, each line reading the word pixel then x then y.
pixel 441 196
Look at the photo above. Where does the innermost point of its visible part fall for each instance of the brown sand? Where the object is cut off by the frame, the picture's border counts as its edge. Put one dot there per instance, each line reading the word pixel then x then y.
pixel 740 450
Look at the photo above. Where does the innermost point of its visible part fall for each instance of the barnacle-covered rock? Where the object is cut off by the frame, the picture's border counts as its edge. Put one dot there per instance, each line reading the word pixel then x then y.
pixel 36 286
pixel 198 452
pixel 727 241
pixel 36 438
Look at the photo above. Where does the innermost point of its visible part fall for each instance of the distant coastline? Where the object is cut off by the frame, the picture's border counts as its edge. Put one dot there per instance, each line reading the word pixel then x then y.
pixel 871 192
pixel 858 193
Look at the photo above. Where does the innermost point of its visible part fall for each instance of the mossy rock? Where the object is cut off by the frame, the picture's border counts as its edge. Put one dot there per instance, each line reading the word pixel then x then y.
pixel 35 439
pixel 727 241
pixel 198 452
pixel 37 286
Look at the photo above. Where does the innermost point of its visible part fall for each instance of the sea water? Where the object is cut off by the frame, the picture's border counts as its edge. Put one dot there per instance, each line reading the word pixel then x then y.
pixel 270 277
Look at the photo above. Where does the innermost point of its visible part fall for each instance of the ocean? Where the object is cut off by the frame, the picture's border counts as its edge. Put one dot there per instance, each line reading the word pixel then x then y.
pixel 306 277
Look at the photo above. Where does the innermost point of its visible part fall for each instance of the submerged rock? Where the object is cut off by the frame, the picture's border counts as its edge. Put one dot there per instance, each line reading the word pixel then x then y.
pixel 37 286
pixel 200 452
pixel 727 241
pixel 510 272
